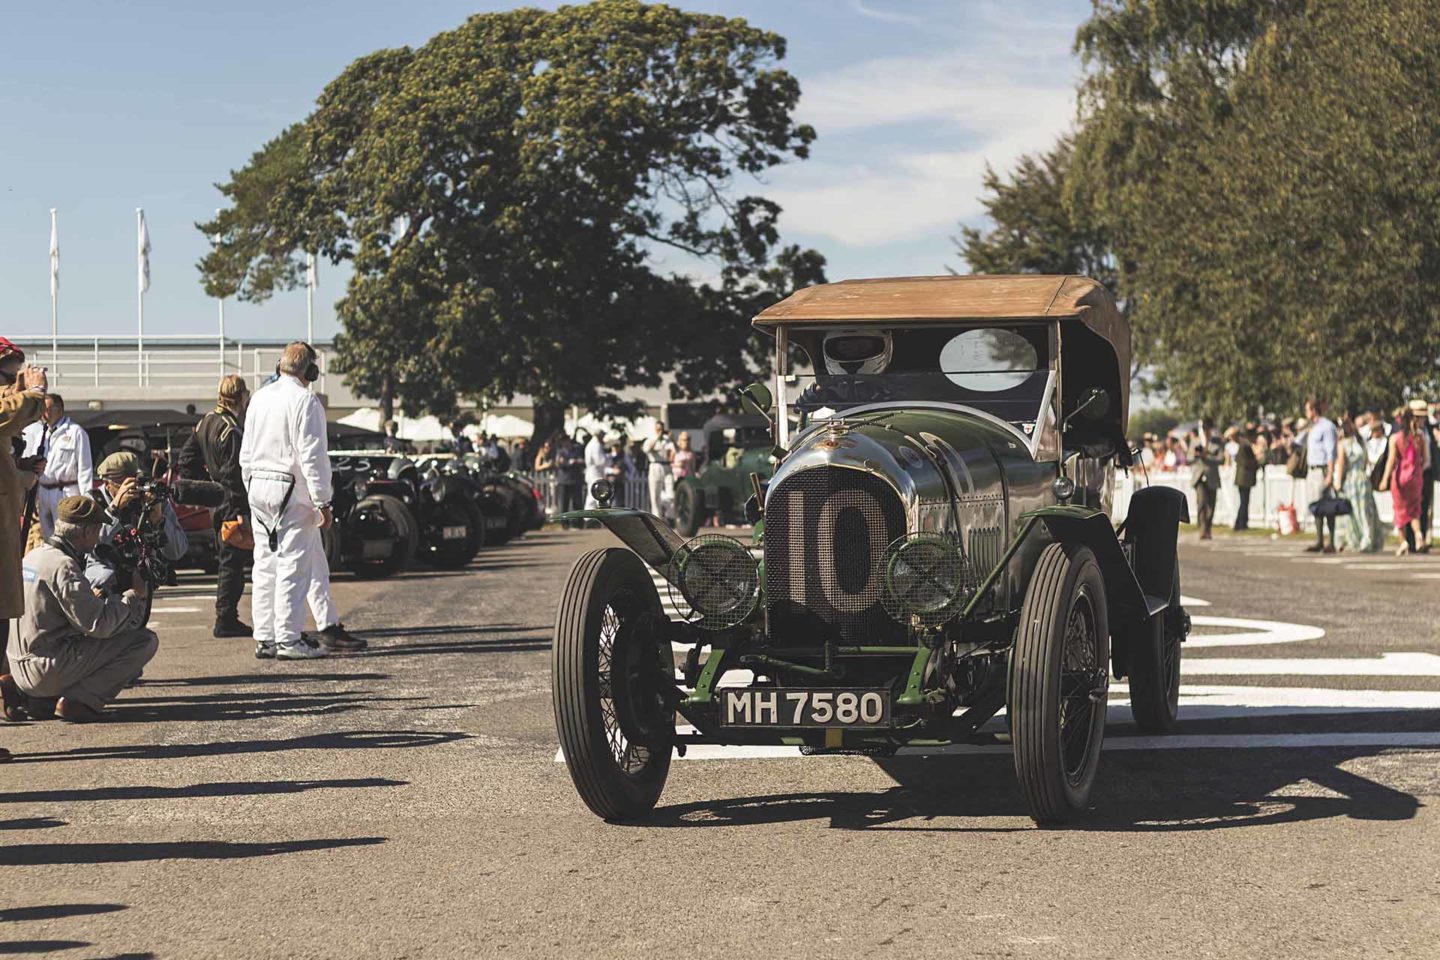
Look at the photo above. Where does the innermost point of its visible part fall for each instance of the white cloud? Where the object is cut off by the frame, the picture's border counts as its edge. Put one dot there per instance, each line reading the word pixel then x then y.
pixel 888 16
pixel 896 189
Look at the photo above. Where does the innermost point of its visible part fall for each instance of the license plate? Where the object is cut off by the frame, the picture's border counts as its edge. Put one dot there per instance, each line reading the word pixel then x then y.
pixel 375 549
pixel 455 533
pixel 805 708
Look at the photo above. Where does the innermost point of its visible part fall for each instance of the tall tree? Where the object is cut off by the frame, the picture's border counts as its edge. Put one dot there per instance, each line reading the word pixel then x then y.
pixel 500 191
pixel 1034 226
pixel 1293 248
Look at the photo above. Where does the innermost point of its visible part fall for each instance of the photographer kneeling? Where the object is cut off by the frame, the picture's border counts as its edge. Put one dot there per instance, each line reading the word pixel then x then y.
pixel 123 496
pixel 73 643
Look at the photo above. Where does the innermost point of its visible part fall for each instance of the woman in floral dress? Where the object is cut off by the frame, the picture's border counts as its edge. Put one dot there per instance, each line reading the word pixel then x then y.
pixel 1360 530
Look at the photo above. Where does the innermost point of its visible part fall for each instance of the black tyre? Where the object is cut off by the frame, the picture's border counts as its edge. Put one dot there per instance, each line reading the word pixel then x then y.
pixel 690 513
pixel 454 553
pixel 610 667
pixel 1155 668
pixel 1059 683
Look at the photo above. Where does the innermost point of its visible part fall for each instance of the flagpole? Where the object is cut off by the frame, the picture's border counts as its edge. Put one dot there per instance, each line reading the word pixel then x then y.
pixel 140 300
pixel 310 299
pixel 54 294
pixel 221 301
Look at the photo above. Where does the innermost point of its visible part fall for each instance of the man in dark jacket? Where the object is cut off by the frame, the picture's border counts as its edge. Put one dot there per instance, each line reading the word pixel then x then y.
pixel 213 452
pixel 1247 468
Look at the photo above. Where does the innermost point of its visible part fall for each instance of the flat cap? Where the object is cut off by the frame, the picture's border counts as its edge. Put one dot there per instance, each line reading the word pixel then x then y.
pixel 121 464
pixel 82 510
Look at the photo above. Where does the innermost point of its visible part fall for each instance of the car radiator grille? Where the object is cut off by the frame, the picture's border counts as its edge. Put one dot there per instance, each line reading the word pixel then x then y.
pixel 826 534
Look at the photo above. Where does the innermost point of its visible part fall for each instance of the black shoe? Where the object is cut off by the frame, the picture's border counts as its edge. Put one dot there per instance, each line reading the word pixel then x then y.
pixel 229 627
pixel 41 708
pixel 12 701
pixel 336 637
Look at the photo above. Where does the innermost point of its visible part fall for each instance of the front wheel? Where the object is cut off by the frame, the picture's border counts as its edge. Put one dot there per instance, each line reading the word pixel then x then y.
pixel 1059 683
pixel 610 669
pixel 689 510
pixel 1155 667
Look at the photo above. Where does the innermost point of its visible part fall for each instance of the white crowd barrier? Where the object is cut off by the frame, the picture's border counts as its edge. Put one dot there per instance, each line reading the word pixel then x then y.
pixel 1273 490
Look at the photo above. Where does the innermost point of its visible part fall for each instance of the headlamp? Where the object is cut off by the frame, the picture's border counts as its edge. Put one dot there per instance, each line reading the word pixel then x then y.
pixel 719 580
pixel 927 578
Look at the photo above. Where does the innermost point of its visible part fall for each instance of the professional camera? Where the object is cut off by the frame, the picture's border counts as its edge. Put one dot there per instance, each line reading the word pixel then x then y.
pixel 137 543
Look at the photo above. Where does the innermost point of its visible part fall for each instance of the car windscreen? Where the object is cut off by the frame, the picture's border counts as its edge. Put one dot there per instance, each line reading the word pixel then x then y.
pixel 1003 371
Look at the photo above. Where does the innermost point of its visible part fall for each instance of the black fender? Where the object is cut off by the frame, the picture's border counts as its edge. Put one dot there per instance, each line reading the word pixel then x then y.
pixel 645 533
pixel 1123 597
pixel 1152 524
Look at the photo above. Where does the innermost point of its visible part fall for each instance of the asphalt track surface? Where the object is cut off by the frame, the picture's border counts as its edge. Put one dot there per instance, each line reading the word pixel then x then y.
pixel 408 802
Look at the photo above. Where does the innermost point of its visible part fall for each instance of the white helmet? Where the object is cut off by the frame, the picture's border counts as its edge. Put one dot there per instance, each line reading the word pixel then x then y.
pixel 857 351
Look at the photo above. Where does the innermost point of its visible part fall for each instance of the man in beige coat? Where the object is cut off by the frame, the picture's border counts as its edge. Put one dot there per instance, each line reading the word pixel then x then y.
pixel 22 402
pixel 73 643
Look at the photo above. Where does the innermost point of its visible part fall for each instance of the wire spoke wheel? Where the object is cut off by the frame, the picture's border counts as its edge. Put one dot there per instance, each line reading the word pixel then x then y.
pixel 1059 682
pixel 611 671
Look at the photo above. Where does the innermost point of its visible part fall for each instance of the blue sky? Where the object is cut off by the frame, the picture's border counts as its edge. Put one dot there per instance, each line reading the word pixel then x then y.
pixel 109 106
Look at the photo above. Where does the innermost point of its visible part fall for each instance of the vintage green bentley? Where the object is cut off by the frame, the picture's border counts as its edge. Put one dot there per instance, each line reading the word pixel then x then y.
pixel 935 545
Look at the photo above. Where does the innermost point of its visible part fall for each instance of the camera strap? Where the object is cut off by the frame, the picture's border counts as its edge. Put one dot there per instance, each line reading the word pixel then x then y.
pixel 272 534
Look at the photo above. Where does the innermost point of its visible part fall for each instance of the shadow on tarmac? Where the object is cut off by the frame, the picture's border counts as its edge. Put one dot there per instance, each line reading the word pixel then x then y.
pixel 16 947
pixel 57 911
pixel 242 788
pixel 349 740
pixel 1137 792
pixel 30 823
pixel 244 679
pixel 61 854
pixel 241 706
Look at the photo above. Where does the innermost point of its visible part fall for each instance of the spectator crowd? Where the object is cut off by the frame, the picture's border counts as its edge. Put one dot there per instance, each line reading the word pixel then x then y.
pixel 1337 465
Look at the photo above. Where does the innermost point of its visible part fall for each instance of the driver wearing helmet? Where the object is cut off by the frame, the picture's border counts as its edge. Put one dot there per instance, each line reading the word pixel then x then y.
pixel 854 357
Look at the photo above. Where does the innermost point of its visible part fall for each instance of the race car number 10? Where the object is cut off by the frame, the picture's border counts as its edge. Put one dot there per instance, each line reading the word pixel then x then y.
pixel 806 708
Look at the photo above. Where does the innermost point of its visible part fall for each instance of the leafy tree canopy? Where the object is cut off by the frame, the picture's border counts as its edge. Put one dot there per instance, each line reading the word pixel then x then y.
pixel 500 192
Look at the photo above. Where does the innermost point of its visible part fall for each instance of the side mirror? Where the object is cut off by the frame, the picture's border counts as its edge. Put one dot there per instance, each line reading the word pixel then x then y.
pixel 756 398
pixel 1094 404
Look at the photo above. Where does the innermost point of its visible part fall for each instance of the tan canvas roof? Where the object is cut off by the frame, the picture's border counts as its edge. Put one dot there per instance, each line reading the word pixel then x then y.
pixel 940 298
pixel 980 297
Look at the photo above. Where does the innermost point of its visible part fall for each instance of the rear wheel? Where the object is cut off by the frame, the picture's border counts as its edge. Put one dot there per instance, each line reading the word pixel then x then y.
pixel 689 510
pixel 400 530
pixel 1059 683
pixel 453 516
pixel 1155 667
pixel 610 668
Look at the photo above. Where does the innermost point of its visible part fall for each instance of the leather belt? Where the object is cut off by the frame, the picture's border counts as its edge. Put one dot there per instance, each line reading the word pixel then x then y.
pixel 58 485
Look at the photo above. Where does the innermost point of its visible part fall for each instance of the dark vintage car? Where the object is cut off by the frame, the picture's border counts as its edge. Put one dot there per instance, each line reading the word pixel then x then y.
pixel 420 511
pixel 935 547
pixel 736 446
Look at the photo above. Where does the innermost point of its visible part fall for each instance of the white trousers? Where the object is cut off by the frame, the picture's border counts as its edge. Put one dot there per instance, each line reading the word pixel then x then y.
pixel 322 608
pixel 282 577
pixel 659 473
pixel 47 500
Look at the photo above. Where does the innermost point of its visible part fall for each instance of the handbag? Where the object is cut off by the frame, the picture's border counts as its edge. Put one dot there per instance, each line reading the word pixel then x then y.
pixel 1377 475
pixel 1331 505
pixel 238 533
pixel 1298 463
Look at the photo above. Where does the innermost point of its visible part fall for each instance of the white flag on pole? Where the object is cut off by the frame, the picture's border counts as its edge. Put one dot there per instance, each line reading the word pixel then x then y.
pixel 144 254
pixel 312 276
pixel 54 256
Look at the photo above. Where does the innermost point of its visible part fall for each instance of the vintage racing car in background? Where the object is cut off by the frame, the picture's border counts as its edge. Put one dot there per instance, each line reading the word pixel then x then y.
pixel 935 545
pixel 735 447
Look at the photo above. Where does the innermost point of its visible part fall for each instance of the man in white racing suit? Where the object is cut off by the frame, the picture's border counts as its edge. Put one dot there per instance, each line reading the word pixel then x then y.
pixel 66 450
pixel 286 468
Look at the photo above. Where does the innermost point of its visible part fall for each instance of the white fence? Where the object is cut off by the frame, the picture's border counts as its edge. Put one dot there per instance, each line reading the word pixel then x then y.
pixel 163 362
pixel 1274 489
